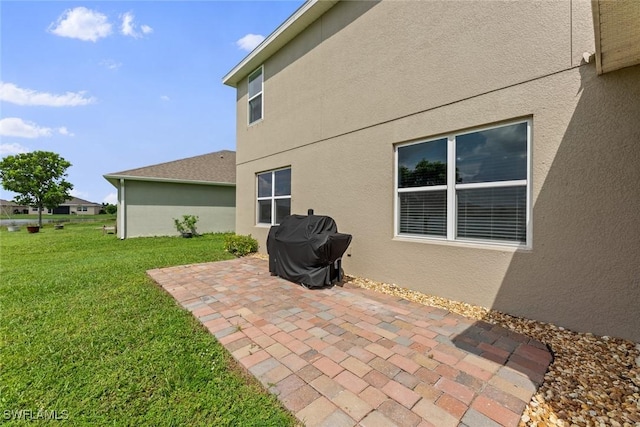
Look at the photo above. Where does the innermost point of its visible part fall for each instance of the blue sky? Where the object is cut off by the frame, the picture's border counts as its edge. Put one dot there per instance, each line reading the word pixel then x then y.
pixel 112 86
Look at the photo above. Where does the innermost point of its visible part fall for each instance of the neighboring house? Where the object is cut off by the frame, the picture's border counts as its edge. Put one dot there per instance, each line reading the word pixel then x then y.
pixel 73 206
pixel 8 207
pixel 77 206
pixel 472 149
pixel 150 197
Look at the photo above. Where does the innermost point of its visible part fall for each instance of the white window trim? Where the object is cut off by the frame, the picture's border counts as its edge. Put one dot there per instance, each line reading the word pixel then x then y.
pixel 272 198
pixel 452 213
pixel 249 99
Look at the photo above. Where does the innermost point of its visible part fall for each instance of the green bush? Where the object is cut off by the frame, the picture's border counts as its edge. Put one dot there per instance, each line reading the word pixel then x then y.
pixel 187 224
pixel 111 209
pixel 239 245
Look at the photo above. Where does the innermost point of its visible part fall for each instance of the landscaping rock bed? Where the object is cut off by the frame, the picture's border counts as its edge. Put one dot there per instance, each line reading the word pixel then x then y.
pixel 593 381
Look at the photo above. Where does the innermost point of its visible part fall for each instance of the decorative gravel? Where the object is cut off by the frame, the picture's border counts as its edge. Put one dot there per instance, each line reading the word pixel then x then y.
pixel 593 380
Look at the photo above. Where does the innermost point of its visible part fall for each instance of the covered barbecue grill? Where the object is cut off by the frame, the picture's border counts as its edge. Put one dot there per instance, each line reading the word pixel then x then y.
pixel 307 250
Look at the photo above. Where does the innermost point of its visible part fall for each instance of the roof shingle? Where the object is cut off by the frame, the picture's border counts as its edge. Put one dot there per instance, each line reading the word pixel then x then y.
pixel 219 166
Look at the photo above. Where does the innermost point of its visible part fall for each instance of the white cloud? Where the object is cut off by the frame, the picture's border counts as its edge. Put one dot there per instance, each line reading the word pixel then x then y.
pixel 81 23
pixel 249 42
pixel 111 198
pixel 13 126
pixel 64 131
pixel 165 98
pixel 128 27
pixel 110 64
pixel 11 149
pixel 17 95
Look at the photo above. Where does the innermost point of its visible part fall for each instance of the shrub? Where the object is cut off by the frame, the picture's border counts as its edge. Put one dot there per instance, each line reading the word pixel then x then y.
pixel 187 224
pixel 111 209
pixel 239 245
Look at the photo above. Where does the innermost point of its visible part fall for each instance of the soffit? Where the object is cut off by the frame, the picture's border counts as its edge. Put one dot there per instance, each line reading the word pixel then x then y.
pixel 294 25
pixel 617 34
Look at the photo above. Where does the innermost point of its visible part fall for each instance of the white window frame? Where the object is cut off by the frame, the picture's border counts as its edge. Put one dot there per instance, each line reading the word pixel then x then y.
pixel 272 198
pixel 452 213
pixel 259 94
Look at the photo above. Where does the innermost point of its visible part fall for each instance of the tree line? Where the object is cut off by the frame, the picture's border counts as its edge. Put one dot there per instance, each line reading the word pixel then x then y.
pixel 39 179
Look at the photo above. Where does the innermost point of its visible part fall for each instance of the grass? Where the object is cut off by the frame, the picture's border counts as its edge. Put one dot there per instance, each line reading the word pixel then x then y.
pixel 84 332
pixel 60 217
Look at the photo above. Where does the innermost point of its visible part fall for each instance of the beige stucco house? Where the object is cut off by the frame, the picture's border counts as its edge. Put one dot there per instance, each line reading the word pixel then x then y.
pixel 8 208
pixel 150 197
pixel 486 152
pixel 73 206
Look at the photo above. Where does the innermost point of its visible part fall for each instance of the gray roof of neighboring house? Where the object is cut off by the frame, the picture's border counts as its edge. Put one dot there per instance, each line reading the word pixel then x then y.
pixel 77 201
pixel 218 167
pixel 10 203
pixel 70 202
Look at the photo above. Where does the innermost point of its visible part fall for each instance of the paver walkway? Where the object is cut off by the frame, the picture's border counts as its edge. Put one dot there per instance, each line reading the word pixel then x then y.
pixel 345 356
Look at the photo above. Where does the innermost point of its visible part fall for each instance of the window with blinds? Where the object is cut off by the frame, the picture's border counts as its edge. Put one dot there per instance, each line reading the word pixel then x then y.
pixel 470 186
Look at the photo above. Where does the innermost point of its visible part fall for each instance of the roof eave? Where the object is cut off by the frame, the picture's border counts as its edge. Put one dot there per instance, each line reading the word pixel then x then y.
pixel 595 13
pixel 294 25
pixel 113 179
pixel 617 35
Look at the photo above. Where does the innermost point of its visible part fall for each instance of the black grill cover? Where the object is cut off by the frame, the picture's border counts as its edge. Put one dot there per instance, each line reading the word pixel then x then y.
pixel 305 249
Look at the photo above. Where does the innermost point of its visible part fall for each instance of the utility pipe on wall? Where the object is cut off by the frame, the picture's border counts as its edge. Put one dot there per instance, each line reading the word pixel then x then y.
pixel 122 211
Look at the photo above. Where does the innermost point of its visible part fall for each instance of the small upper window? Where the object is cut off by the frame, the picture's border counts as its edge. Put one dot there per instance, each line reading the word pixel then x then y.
pixel 255 95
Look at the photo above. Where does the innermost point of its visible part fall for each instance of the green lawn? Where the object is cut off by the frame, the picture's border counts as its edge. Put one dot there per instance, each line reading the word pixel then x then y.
pixel 60 217
pixel 85 333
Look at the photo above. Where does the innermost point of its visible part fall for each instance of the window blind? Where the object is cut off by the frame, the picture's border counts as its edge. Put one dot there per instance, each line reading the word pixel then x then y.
pixel 424 213
pixel 492 213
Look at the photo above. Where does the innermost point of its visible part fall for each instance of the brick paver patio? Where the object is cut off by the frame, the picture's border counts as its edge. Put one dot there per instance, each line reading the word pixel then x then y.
pixel 345 356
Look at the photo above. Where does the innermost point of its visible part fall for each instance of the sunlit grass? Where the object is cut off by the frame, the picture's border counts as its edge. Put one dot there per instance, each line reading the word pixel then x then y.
pixel 59 217
pixel 84 332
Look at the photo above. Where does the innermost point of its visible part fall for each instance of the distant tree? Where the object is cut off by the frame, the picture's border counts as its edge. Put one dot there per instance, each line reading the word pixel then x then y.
pixel 425 173
pixel 108 208
pixel 430 173
pixel 38 178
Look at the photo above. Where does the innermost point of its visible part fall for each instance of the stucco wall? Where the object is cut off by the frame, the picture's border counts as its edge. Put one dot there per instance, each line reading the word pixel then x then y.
pixel 151 206
pixel 338 98
pixel 91 210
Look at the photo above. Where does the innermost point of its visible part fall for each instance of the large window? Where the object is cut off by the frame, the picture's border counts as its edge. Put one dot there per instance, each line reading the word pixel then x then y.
pixel 255 95
pixel 470 186
pixel 274 196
